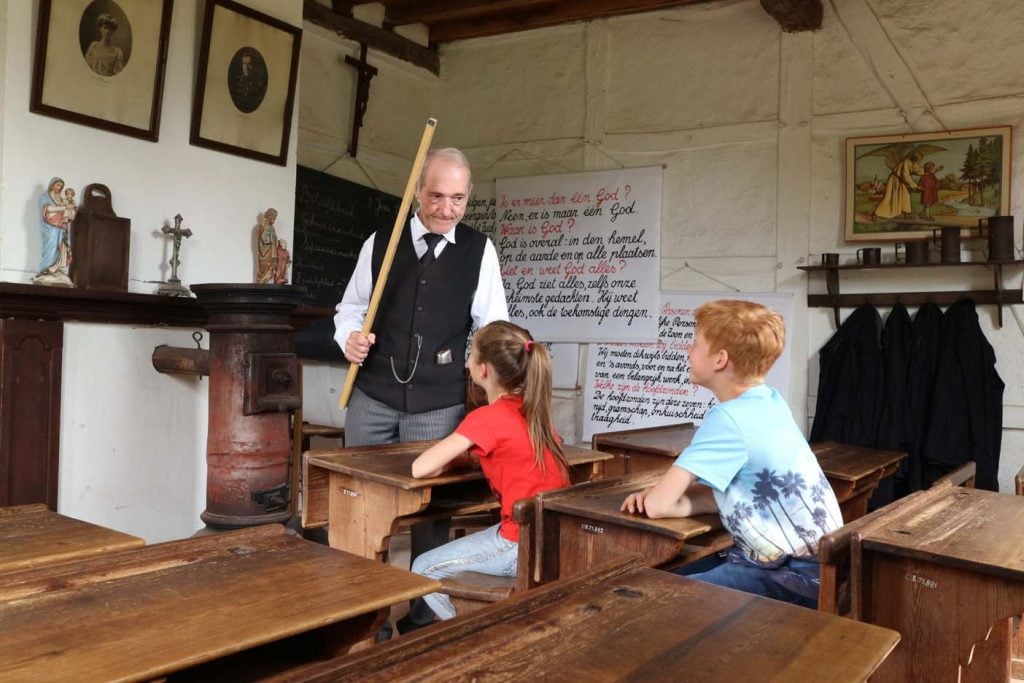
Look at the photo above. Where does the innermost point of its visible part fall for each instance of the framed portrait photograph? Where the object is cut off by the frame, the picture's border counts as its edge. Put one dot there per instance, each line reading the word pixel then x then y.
pixel 101 63
pixel 904 186
pixel 245 88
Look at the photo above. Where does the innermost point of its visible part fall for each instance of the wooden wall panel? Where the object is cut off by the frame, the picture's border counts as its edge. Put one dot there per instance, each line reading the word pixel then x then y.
pixel 30 376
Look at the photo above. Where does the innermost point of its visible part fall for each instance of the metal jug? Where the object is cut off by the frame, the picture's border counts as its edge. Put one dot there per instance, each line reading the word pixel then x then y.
pixel 999 231
pixel 949 244
pixel 914 251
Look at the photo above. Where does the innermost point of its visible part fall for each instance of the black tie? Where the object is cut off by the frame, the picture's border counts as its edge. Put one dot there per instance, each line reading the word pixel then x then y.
pixel 428 257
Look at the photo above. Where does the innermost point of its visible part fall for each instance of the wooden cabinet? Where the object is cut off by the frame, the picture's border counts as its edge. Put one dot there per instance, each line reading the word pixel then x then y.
pixel 30 374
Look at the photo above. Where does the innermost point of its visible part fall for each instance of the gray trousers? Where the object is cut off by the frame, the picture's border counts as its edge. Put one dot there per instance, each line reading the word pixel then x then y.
pixel 369 422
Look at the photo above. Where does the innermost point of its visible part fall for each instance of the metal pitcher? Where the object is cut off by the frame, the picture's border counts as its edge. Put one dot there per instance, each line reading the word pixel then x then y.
pixel 999 232
pixel 949 244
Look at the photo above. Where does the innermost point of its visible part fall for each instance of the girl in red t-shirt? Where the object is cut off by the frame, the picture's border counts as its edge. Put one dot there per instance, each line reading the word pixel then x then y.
pixel 515 442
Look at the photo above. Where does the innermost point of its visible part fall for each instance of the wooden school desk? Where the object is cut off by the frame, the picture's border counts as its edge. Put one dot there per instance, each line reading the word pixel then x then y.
pixel 943 569
pixel 624 624
pixel 363 492
pixel 34 536
pixel 645 449
pixel 581 527
pixel 853 471
pixel 149 612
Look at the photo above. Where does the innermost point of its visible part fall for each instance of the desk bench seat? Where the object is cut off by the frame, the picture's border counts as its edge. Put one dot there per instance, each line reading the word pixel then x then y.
pixel 471 591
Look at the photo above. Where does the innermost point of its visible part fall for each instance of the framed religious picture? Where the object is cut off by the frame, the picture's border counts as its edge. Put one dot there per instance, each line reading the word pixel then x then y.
pixel 101 63
pixel 904 186
pixel 245 88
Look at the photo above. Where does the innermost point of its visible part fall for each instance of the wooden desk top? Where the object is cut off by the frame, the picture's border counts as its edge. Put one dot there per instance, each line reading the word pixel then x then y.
pixel 143 613
pixel 972 529
pixel 643 624
pixel 669 440
pixel 34 535
pixel 852 463
pixel 392 463
pixel 600 500
pixel 839 461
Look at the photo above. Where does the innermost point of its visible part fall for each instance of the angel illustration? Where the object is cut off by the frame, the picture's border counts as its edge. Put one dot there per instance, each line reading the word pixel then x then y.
pixel 903 160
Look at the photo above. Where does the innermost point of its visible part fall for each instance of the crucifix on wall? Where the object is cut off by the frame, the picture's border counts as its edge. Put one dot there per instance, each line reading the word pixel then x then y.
pixel 365 75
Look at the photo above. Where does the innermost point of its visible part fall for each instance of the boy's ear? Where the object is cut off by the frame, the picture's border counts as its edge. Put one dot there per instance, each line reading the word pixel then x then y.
pixel 721 360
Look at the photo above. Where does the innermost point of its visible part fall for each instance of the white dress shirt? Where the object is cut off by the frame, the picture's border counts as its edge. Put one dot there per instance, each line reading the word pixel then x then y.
pixel 488 299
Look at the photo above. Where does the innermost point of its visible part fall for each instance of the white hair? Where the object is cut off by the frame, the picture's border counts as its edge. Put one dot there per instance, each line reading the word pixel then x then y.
pixel 448 154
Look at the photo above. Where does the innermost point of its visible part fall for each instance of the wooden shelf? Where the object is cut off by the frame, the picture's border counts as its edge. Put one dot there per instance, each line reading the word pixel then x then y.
pixel 836 300
pixel 40 302
pixel 893 266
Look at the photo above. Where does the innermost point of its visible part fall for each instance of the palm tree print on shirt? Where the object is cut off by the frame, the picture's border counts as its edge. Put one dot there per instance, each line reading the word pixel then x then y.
pixel 770 493
pixel 744 512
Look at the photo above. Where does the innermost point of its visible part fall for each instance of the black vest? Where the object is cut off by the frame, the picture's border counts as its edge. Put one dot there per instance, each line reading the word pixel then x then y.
pixel 431 305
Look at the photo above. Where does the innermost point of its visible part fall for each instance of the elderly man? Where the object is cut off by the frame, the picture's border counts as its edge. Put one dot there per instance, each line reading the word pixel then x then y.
pixel 444 279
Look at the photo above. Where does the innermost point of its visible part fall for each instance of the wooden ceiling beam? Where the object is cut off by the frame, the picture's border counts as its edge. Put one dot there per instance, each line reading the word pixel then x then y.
pixel 428 12
pixel 342 7
pixel 549 15
pixel 795 15
pixel 376 38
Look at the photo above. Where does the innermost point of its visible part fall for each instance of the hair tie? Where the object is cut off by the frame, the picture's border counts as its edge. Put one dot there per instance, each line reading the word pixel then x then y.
pixel 528 345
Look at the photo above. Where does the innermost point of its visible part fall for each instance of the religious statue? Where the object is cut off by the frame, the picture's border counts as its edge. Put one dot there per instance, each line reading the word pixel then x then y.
pixel 173 286
pixel 267 249
pixel 54 216
pixel 283 259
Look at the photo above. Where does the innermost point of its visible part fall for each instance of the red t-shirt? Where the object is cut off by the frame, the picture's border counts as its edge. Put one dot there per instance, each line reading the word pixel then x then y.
pixel 502 442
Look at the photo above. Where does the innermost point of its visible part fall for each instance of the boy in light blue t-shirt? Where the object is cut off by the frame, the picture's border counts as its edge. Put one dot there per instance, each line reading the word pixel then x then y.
pixel 749 462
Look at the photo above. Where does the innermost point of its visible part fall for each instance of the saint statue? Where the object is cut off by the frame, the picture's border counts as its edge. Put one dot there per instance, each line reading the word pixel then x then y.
pixel 266 248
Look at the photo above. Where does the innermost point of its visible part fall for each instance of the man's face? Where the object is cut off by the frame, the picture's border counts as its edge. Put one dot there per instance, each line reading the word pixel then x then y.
pixel 246 65
pixel 443 195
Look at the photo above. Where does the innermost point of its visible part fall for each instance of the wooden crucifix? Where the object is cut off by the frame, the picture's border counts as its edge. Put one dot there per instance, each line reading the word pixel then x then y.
pixel 365 75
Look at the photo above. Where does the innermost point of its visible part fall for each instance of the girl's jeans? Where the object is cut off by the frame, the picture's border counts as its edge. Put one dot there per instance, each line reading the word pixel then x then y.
pixel 486 552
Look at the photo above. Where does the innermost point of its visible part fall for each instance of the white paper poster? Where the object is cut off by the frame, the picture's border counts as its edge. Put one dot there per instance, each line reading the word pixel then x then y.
pixel 580 253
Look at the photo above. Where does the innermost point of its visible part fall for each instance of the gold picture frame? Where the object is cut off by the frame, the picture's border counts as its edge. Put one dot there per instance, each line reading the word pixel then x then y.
pixel 101 63
pixel 245 87
pixel 900 187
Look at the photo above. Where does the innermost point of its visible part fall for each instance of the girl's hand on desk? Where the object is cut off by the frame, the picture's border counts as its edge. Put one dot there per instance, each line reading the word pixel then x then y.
pixel 634 503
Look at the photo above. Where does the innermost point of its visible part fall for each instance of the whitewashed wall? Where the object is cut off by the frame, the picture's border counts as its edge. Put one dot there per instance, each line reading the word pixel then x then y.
pixel 133 441
pixel 748 121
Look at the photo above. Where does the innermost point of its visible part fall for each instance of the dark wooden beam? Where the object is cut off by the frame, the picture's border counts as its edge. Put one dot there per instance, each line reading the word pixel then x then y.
pixel 378 39
pixel 342 7
pixel 795 15
pixel 546 15
pixel 410 11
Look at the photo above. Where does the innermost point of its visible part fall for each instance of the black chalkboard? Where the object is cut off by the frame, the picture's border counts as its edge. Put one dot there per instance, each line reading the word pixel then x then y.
pixel 333 217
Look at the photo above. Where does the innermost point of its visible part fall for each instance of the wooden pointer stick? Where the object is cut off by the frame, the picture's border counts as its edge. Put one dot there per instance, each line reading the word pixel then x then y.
pixel 389 255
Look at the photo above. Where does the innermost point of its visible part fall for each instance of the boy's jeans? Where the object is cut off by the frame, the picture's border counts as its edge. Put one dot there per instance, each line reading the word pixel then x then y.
pixel 733 571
